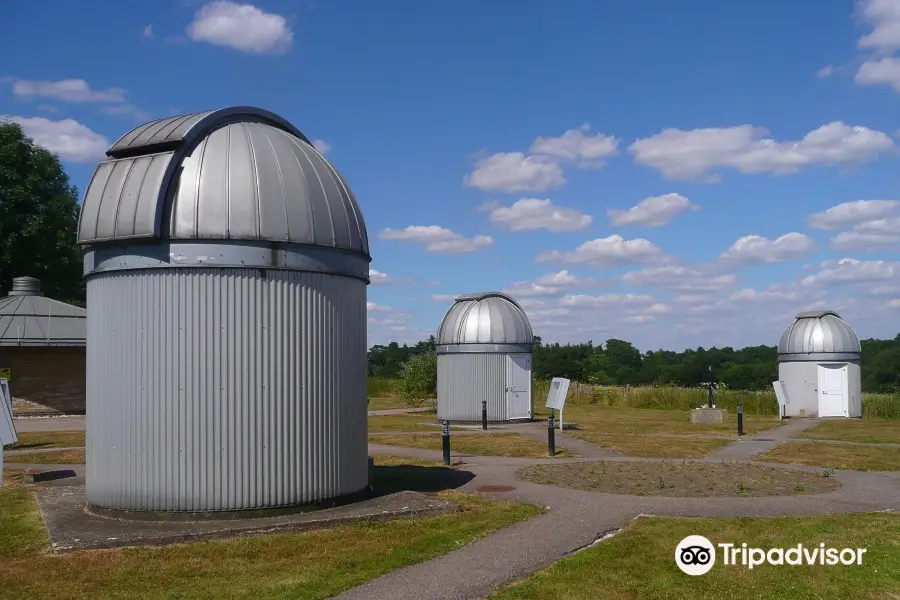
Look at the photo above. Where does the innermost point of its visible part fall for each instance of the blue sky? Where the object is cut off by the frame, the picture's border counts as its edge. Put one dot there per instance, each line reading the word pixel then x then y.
pixel 494 146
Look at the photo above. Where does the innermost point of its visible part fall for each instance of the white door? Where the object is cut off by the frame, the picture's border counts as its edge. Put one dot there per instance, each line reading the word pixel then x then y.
pixel 833 390
pixel 518 394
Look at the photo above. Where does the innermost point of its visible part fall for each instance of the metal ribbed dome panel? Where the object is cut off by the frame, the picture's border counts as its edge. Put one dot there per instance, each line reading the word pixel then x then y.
pixel 818 335
pixel 485 318
pixel 240 173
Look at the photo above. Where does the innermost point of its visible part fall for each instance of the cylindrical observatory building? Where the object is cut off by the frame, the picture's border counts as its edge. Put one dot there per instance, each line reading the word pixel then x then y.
pixel 484 353
pixel 226 265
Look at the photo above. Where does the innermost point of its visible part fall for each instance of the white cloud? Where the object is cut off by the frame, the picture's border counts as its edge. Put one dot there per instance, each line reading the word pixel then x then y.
pixel 438 239
pixel 527 288
pixel 893 303
pixel 322 146
pixel 880 71
pixel 774 293
pixel 69 90
pixel 148 32
pixel 884 18
pixel 697 153
pixel 377 277
pixel 655 211
pixel 606 300
pixel 48 108
pixel 758 249
pixel 372 307
pixel 869 235
pixel 67 138
pixel 607 252
pixel 529 214
pixel 513 172
pixel 443 297
pixel 565 279
pixel 825 72
pixel 488 205
pixel 851 270
pixel 679 278
pixel 848 214
pixel 243 27
pixel 578 144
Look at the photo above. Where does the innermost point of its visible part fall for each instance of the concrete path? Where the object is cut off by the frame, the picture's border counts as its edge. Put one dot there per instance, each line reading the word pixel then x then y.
pixel 29 424
pixel 751 446
pixel 39 450
pixel 575 519
pixel 399 411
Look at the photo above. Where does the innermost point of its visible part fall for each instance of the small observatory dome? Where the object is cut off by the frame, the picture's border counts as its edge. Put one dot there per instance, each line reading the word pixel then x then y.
pixel 485 318
pixel 817 333
pixel 819 367
pixel 226 265
pixel 484 353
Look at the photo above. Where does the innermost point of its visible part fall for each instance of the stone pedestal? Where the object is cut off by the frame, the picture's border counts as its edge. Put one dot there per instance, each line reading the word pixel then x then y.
pixel 701 416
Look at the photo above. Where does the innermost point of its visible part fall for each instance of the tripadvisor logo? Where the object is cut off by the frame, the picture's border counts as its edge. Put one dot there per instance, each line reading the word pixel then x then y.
pixel 696 555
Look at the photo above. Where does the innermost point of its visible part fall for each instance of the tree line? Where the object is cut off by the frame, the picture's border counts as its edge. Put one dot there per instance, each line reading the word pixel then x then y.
pixel 618 362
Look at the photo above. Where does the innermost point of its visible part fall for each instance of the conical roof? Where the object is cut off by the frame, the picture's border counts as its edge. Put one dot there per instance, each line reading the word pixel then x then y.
pixel 28 318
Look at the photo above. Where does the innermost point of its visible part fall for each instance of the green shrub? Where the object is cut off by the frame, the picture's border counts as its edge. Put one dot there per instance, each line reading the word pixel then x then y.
pixel 419 379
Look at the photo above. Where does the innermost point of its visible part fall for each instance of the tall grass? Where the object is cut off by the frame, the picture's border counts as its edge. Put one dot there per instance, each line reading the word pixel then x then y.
pixel 384 387
pixel 875 406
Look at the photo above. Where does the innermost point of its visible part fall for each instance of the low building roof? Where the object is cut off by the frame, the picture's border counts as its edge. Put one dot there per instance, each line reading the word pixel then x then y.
pixel 28 318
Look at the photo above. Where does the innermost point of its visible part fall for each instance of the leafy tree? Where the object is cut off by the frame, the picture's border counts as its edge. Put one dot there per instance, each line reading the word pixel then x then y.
pixel 419 375
pixel 38 218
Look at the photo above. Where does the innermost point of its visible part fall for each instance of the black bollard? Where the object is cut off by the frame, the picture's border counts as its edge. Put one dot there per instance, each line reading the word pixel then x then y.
pixel 484 414
pixel 740 411
pixel 445 440
pixel 551 437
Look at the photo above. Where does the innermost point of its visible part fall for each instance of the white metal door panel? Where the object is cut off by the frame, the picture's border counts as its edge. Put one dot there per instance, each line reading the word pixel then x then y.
pixel 518 391
pixel 832 380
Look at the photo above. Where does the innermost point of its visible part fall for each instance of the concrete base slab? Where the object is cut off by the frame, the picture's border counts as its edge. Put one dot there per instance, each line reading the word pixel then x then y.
pixel 70 527
pixel 703 416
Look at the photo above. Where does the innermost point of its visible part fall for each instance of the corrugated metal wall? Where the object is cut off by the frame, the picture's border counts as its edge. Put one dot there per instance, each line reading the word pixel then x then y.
pixel 464 380
pixel 51 377
pixel 224 389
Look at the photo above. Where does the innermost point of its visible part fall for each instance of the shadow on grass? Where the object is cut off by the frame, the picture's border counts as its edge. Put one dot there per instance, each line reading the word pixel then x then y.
pixel 22 445
pixel 389 480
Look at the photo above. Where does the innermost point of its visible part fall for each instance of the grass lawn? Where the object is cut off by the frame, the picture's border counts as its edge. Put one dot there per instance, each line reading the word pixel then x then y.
pixel 388 403
pixel 29 440
pixel 494 444
pixel 835 456
pixel 639 562
pixel 60 457
pixel 685 479
pixel 642 420
pixel 648 446
pixel 308 565
pixel 869 431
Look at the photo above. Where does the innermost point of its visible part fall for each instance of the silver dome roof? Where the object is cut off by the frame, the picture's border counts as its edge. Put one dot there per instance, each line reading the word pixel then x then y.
pixel 239 173
pixel 819 335
pixel 485 322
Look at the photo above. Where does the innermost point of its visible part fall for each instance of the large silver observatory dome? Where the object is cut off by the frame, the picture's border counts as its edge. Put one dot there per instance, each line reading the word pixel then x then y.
pixel 816 336
pixel 226 264
pixel 483 322
pixel 239 173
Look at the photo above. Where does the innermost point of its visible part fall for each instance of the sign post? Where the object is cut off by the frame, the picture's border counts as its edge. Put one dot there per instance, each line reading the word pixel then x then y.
pixel 782 396
pixel 556 397
pixel 7 428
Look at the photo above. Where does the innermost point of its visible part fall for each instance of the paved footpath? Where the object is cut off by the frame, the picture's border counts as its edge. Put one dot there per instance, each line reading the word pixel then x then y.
pixel 576 519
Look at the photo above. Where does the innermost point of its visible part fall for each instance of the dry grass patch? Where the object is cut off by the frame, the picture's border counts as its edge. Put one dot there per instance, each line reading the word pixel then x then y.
pixel 687 479
pixel 479 444
pixel 426 421
pixel 389 403
pixel 60 457
pixel 835 456
pixel 638 562
pixel 647 446
pixel 867 431
pixel 29 440
pixel 302 566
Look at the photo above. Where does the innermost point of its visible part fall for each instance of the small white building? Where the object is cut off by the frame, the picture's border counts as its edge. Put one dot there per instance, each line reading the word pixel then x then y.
pixel 818 362
pixel 484 352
